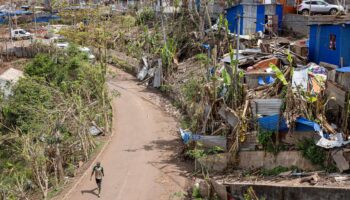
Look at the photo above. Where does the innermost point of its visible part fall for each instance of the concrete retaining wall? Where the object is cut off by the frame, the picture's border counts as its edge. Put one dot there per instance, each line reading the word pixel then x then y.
pixel 290 192
pixel 296 23
pixel 261 159
pixel 216 162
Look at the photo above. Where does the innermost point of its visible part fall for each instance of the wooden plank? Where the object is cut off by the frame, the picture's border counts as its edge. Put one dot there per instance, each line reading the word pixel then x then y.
pixel 331 75
pixel 343 79
pixel 266 106
pixel 328 66
pixel 334 90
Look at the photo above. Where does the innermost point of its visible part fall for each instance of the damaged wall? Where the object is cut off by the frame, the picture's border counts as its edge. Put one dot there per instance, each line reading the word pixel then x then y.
pixel 296 23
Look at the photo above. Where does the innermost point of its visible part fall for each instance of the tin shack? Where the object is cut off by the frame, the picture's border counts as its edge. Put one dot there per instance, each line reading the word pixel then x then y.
pixel 254 17
pixel 329 40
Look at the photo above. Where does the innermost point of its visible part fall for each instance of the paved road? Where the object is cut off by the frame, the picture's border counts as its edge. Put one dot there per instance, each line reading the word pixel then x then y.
pixel 141 160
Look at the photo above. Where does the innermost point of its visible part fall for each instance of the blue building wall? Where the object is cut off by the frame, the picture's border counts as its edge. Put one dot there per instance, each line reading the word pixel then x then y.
pixel 279 13
pixel 231 17
pixel 319 44
pixel 260 17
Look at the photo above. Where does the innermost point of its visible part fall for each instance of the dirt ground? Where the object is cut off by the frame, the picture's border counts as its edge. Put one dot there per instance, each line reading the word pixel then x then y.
pixel 142 160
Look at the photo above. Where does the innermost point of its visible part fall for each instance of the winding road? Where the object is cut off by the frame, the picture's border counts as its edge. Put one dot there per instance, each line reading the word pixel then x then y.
pixel 141 161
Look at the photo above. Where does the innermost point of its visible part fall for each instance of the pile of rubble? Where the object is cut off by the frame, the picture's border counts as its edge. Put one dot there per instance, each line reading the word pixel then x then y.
pixel 266 88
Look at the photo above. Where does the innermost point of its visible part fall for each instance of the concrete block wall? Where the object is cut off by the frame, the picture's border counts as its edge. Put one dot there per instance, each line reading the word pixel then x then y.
pixel 262 159
pixel 296 23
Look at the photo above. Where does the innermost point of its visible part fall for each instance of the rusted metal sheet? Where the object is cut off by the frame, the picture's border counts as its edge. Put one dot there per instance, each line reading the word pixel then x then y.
pixel 266 106
pixel 335 92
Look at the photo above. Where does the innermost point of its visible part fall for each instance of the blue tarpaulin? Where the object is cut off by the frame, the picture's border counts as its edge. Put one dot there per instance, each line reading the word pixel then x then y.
pixel 303 124
pixel 46 18
pixel 343 69
pixel 270 123
pixel 186 135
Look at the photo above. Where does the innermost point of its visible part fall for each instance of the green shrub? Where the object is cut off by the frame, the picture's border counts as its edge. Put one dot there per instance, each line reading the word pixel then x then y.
pixel 312 152
pixel 146 15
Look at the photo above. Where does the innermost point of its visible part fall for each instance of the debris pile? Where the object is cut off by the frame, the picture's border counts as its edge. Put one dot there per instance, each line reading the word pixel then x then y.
pixel 262 97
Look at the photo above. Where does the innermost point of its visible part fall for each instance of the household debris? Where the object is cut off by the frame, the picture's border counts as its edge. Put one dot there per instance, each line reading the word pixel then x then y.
pixel 260 88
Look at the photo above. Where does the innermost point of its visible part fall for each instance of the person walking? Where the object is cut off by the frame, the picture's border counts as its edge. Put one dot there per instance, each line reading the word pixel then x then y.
pixel 98 171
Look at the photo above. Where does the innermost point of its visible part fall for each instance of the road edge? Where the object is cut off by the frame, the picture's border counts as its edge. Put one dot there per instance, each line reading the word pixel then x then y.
pixel 65 197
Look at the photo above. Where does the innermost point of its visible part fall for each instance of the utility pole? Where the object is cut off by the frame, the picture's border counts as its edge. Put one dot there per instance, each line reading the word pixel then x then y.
pixel 237 35
pixel 10 19
pixel 35 25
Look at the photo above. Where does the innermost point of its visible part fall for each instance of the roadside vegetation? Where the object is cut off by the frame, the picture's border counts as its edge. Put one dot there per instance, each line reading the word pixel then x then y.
pixel 45 123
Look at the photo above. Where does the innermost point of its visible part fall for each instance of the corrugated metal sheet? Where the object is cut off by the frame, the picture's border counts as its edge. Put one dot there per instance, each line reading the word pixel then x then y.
pixel 249 16
pixel 229 116
pixel 252 17
pixel 319 50
pixel 279 13
pixel 270 9
pixel 266 106
pixel 343 79
pixel 332 90
pixel 231 17
pixel 260 18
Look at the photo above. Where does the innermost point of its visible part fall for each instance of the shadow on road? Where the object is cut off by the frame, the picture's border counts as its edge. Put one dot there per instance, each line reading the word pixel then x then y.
pixel 172 146
pixel 90 191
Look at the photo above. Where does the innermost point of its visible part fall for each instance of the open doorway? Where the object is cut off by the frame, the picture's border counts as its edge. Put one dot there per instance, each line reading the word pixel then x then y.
pixel 271 25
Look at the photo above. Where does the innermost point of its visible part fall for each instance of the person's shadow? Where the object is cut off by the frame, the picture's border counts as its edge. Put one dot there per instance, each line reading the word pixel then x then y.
pixel 90 191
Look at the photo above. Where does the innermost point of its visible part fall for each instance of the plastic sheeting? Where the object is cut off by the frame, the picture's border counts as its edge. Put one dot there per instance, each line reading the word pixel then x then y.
pixel 271 123
pixel 268 80
pixel 335 140
pixel 303 124
pixel 207 141
pixel 186 135
pixel 343 69
pixel 300 78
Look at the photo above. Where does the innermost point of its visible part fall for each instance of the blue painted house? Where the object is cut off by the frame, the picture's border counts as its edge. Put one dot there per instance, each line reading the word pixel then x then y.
pixel 253 17
pixel 329 42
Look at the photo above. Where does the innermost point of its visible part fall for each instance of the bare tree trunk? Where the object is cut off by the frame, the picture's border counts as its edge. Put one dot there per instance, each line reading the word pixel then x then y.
pixel 58 157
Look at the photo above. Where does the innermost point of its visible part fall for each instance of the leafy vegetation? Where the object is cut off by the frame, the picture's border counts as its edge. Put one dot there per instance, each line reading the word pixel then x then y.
pixel 45 122
pixel 312 152
pixel 193 90
pixel 196 193
pixel 265 138
pixel 276 171
pixel 145 15
pixel 251 195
